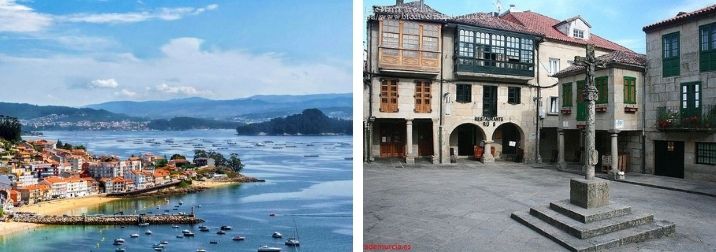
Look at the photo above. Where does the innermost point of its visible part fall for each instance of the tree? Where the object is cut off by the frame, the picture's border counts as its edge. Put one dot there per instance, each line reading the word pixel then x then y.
pixel 198 153
pixel 177 156
pixel 235 162
pixel 10 128
pixel 161 163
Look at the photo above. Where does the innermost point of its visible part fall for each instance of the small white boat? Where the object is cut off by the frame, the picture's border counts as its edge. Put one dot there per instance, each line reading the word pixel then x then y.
pixel 190 234
pixel 221 232
pixel 265 248
pixel 276 235
pixel 185 231
pixel 181 202
pixel 120 250
pixel 180 236
pixel 134 235
pixel 175 226
pixel 144 224
pixel 225 228
pixel 148 232
pixel 291 242
pixel 239 238
pixel 164 242
pixel 118 241
pixel 201 250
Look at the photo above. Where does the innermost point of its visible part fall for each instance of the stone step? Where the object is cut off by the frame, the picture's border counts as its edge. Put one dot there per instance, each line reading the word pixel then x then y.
pixel 588 230
pixel 640 233
pixel 589 215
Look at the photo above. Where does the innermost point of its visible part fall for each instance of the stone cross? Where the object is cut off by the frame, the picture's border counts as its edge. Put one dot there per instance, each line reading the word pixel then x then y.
pixel 590 94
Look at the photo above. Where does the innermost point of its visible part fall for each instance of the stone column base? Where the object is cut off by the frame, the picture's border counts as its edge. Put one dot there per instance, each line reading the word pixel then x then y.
pixel 410 160
pixel 589 193
pixel 614 174
pixel 488 159
pixel 562 166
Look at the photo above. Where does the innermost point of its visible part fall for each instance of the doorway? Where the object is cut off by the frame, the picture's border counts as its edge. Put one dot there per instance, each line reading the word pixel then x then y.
pixel 669 158
pixel 392 139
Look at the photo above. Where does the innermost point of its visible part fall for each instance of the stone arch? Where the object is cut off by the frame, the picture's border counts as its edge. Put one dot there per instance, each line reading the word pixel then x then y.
pixel 463 137
pixel 509 142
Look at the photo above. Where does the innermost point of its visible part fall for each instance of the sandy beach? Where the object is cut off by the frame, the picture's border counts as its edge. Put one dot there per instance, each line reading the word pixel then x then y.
pixel 59 207
pixel 7 228
pixel 212 183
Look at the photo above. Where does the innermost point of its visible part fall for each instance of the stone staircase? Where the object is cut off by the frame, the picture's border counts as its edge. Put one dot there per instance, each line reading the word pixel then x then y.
pixel 593 229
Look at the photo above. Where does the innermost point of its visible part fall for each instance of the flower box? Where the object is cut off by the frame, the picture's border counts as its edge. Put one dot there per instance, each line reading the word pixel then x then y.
pixel 566 111
pixel 630 109
pixel 600 108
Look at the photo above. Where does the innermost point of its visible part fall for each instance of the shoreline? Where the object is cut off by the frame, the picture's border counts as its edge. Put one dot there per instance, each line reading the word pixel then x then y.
pixel 58 207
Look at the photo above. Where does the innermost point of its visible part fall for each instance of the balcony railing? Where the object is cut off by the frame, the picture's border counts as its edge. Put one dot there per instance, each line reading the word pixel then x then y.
pixel 407 59
pixel 468 64
pixel 678 119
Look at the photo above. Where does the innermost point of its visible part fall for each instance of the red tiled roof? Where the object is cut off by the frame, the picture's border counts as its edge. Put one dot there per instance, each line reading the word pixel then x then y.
pixel 681 18
pixel 615 57
pixel 489 20
pixel 546 26
pixel 408 11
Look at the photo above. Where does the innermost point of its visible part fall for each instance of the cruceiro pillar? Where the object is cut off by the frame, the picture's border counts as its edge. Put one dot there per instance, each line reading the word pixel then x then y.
pixel 487 152
pixel 409 157
pixel 614 172
pixel 560 153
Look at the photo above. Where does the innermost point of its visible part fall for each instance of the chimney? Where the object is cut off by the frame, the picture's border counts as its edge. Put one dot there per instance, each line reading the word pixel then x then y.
pixel 512 8
pixel 398 2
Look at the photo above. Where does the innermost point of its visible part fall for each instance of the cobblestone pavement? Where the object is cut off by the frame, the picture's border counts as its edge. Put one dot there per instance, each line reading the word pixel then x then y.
pixel 467 206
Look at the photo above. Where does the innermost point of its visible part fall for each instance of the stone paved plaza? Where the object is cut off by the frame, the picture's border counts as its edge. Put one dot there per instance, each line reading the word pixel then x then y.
pixel 467 207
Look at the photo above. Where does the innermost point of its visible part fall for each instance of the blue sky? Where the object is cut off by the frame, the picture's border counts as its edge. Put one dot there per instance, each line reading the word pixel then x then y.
pixel 617 20
pixel 79 52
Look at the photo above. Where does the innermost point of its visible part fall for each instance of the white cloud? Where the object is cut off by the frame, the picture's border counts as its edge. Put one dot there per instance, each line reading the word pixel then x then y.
pixel 15 17
pixel 183 90
pixel 166 14
pixel 126 93
pixel 103 83
pixel 183 69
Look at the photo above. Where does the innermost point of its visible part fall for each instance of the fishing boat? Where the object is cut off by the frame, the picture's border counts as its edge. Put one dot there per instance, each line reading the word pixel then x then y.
pixel 118 241
pixel 203 229
pixel 164 242
pixel 239 238
pixel 175 226
pixel 157 245
pixel 221 232
pixel 190 234
pixel 144 224
pixel 226 228
pixel 134 235
pixel 148 232
pixel 276 235
pixel 293 241
pixel 180 236
pixel 265 248
pixel 181 202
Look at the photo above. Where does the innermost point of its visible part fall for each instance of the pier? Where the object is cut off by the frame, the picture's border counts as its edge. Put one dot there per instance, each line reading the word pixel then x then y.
pixel 107 219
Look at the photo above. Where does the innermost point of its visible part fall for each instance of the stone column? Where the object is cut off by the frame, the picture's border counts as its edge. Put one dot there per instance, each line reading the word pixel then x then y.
pixel 487 153
pixel 614 172
pixel 561 164
pixel 409 157
pixel 436 143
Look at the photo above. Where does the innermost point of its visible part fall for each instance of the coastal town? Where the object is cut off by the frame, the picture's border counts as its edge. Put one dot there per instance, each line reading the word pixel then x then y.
pixel 42 170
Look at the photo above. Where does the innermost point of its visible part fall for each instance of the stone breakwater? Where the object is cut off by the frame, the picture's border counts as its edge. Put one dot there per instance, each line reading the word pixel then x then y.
pixel 107 219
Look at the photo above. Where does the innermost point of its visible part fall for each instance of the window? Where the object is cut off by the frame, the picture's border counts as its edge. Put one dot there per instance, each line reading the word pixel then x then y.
pixel 670 55
pixel 409 44
pixel 513 95
pixel 629 90
pixel 489 101
pixel 707 42
pixel 389 96
pixel 577 33
pixel 706 153
pixel 690 99
pixel 463 93
pixel 553 105
pixel 476 48
pixel 422 97
pixel 567 95
pixel 602 86
pixel 553 66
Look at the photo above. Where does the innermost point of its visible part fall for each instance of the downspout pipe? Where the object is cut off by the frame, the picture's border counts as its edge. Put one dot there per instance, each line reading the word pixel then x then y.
pixel 440 120
pixel 643 122
pixel 538 101
pixel 369 66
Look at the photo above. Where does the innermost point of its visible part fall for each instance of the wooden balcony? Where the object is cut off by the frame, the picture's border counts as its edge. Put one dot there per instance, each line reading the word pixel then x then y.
pixel 408 60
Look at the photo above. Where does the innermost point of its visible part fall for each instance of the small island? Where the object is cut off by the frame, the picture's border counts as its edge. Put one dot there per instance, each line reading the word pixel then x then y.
pixel 309 122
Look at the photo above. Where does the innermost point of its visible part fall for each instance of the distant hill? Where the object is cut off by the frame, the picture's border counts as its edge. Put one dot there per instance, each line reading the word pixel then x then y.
pixel 309 122
pixel 26 111
pixel 187 123
pixel 259 106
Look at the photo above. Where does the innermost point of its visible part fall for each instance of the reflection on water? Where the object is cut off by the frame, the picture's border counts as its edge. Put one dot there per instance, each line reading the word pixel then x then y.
pixel 315 191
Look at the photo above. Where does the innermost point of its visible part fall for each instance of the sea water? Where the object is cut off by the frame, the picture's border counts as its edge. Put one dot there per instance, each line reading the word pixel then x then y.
pixel 315 193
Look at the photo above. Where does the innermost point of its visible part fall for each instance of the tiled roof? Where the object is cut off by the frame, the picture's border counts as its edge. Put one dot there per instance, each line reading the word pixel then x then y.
pixel 408 11
pixel 489 20
pixel 546 26
pixel 681 18
pixel 615 57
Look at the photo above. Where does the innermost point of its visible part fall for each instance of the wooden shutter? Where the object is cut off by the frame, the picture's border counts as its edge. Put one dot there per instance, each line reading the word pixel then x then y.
pixel 629 90
pixel 602 86
pixel 671 54
pixel 567 95
pixel 422 97
pixel 389 96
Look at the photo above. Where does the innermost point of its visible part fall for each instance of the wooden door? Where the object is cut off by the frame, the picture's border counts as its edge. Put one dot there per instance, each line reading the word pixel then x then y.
pixel 425 139
pixel 392 140
pixel 669 158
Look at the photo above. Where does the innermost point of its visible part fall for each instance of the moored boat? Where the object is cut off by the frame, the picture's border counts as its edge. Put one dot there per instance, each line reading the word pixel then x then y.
pixel 134 235
pixel 265 248
pixel 226 228
pixel 239 238
pixel 276 235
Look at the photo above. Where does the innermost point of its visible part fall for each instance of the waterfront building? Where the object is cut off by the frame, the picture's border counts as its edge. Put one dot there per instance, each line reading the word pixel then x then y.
pixel 138 177
pixel 441 88
pixel 34 193
pixel 109 167
pixel 680 119
pixel 26 179
pixel 58 186
pixel 77 187
pixel 618 124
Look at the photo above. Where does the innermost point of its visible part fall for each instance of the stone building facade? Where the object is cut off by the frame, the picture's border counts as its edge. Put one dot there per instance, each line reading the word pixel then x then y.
pixel 680 121
pixel 618 121
pixel 439 87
